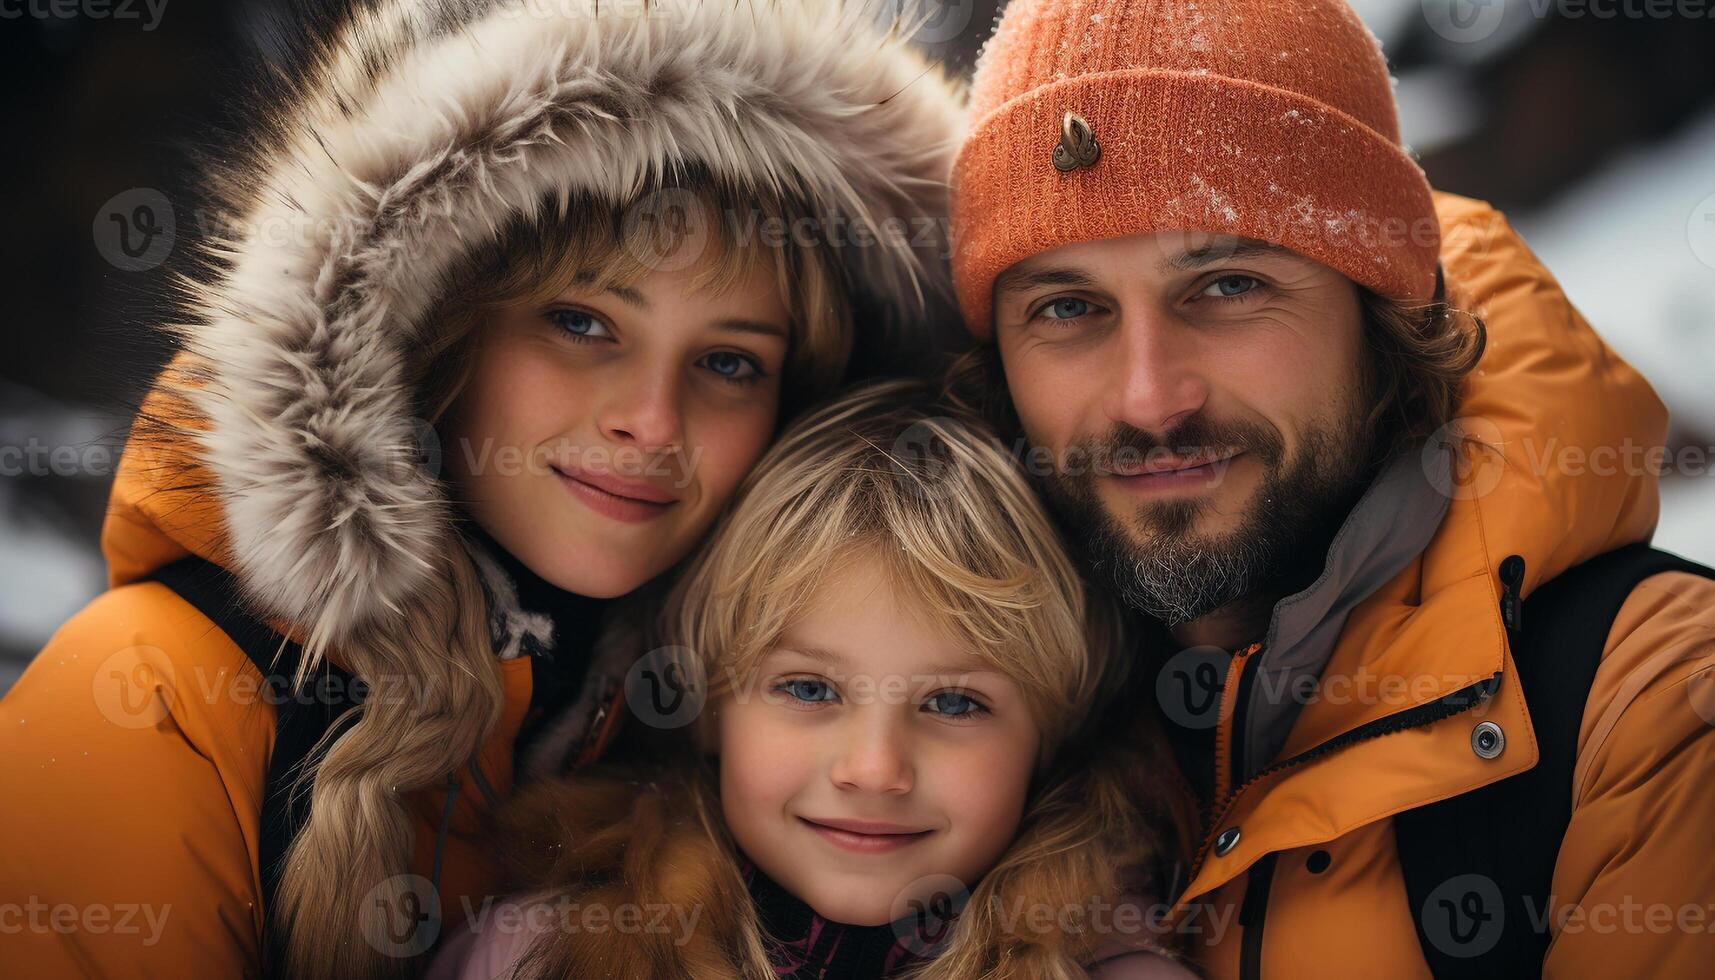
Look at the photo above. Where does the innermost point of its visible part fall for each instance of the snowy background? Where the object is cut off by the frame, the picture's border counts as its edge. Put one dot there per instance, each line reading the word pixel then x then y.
pixel 1595 133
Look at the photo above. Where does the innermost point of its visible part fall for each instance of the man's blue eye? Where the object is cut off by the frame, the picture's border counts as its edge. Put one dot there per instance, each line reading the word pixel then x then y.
pixel 809 690
pixel 1229 286
pixel 1066 309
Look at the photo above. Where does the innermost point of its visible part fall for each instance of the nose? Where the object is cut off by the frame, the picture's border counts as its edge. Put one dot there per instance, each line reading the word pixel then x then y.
pixel 1156 380
pixel 874 755
pixel 642 408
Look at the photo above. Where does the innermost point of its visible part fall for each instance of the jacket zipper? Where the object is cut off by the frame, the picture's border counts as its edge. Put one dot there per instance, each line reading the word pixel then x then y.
pixel 1421 716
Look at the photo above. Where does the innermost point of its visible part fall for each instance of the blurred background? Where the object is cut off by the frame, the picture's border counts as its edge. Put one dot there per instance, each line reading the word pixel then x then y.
pixel 1590 122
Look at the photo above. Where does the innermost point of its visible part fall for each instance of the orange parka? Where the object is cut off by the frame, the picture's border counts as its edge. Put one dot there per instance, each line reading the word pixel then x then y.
pixel 1553 465
pixel 135 748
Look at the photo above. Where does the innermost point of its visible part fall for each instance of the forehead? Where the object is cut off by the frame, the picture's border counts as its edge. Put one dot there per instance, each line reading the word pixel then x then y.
pixel 1166 253
pixel 860 621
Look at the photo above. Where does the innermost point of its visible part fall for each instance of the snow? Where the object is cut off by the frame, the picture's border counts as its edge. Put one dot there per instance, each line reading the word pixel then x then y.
pixel 1635 251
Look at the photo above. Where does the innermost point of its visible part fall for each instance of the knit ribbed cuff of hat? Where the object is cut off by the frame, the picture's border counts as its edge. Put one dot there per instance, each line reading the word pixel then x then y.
pixel 1190 151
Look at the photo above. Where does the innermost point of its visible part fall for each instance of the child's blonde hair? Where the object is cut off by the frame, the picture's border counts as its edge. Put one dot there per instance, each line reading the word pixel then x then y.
pixel 895 471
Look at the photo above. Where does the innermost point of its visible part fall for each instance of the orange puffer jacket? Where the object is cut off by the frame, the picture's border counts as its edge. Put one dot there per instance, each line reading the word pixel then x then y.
pixel 1552 468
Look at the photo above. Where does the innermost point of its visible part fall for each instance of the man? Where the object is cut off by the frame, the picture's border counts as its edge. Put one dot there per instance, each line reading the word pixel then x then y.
pixel 1226 303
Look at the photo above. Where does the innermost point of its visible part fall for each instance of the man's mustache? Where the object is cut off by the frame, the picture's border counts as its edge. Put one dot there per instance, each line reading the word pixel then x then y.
pixel 1196 437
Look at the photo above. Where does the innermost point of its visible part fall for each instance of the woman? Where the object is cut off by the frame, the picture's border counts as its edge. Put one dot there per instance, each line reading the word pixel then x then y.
pixel 528 246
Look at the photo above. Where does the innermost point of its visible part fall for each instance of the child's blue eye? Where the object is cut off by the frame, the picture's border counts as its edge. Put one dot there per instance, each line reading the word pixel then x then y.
pixel 952 704
pixel 579 324
pixel 805 689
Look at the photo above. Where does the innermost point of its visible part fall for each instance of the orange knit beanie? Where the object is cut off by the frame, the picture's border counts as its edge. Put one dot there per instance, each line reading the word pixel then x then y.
pixel 1267 119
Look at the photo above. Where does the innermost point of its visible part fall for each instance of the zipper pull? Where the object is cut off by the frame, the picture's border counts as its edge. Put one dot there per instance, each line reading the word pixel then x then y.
pixel 1512 580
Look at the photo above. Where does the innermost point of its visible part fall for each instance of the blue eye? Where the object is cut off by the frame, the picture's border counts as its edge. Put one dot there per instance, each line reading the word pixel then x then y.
pixel 1066 308
pixel 579 324
pixel 806 689
pixel 1228 287
pixel 733 367
pixel 952 704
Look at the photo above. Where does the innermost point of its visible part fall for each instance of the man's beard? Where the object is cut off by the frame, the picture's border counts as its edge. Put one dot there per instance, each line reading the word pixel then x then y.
pixel 1162 566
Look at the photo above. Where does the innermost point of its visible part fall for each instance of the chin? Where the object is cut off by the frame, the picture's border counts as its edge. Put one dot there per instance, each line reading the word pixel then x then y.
pixel 851 910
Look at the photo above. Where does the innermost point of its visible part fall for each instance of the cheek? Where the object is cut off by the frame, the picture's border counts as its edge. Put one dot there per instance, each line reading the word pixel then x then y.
pixel 1046 393
pixel 761 766
pixel 502 404
pixel 982 788
pixel 725 442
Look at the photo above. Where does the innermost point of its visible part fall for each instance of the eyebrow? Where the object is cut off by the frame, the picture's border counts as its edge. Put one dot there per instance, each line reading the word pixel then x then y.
pixel 1019 280
pixel 731 324
pixel 832 659
pixel 739 325
pixel 1190 260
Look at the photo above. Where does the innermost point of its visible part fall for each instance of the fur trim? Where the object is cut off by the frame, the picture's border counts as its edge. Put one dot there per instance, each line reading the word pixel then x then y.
pixel 423 127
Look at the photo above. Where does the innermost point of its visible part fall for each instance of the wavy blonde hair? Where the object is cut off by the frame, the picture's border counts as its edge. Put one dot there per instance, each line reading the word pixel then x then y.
pixel 358 836
pixel 891 470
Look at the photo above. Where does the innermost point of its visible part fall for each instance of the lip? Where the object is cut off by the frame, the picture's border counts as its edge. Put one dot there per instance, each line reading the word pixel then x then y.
pixel 1175 473
pixel 610 496
pixel 866 836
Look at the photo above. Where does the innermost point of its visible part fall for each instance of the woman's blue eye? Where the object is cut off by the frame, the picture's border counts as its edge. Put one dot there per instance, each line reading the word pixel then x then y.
pixel 1228 287
pixel 731 366
pixel 955 705
pixel 579 324
pixel 808 690
pixel 1066 309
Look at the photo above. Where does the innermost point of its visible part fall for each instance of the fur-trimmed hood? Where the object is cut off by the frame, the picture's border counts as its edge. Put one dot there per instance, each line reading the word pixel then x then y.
pixel 421 129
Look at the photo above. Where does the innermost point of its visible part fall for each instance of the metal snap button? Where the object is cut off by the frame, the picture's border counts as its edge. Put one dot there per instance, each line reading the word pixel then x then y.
pixel 1228 840
pixel 1487 740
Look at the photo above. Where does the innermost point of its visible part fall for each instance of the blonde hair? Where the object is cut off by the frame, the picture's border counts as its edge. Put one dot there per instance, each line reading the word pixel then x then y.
pixel 895 471
pixel 358 835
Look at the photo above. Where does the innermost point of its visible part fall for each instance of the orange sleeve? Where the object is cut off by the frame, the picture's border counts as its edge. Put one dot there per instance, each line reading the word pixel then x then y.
pixel 1634 885
pixel 132 756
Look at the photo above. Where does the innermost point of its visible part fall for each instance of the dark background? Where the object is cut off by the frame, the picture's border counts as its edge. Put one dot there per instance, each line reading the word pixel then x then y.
pixel 1591 122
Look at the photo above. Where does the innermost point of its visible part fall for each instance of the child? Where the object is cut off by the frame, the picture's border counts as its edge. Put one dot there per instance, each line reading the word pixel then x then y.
pixel 890 773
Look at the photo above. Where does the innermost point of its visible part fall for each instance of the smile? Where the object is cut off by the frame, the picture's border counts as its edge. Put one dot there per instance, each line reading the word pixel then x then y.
pixel 1174 474
pixel 621 500
pixel 864 837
